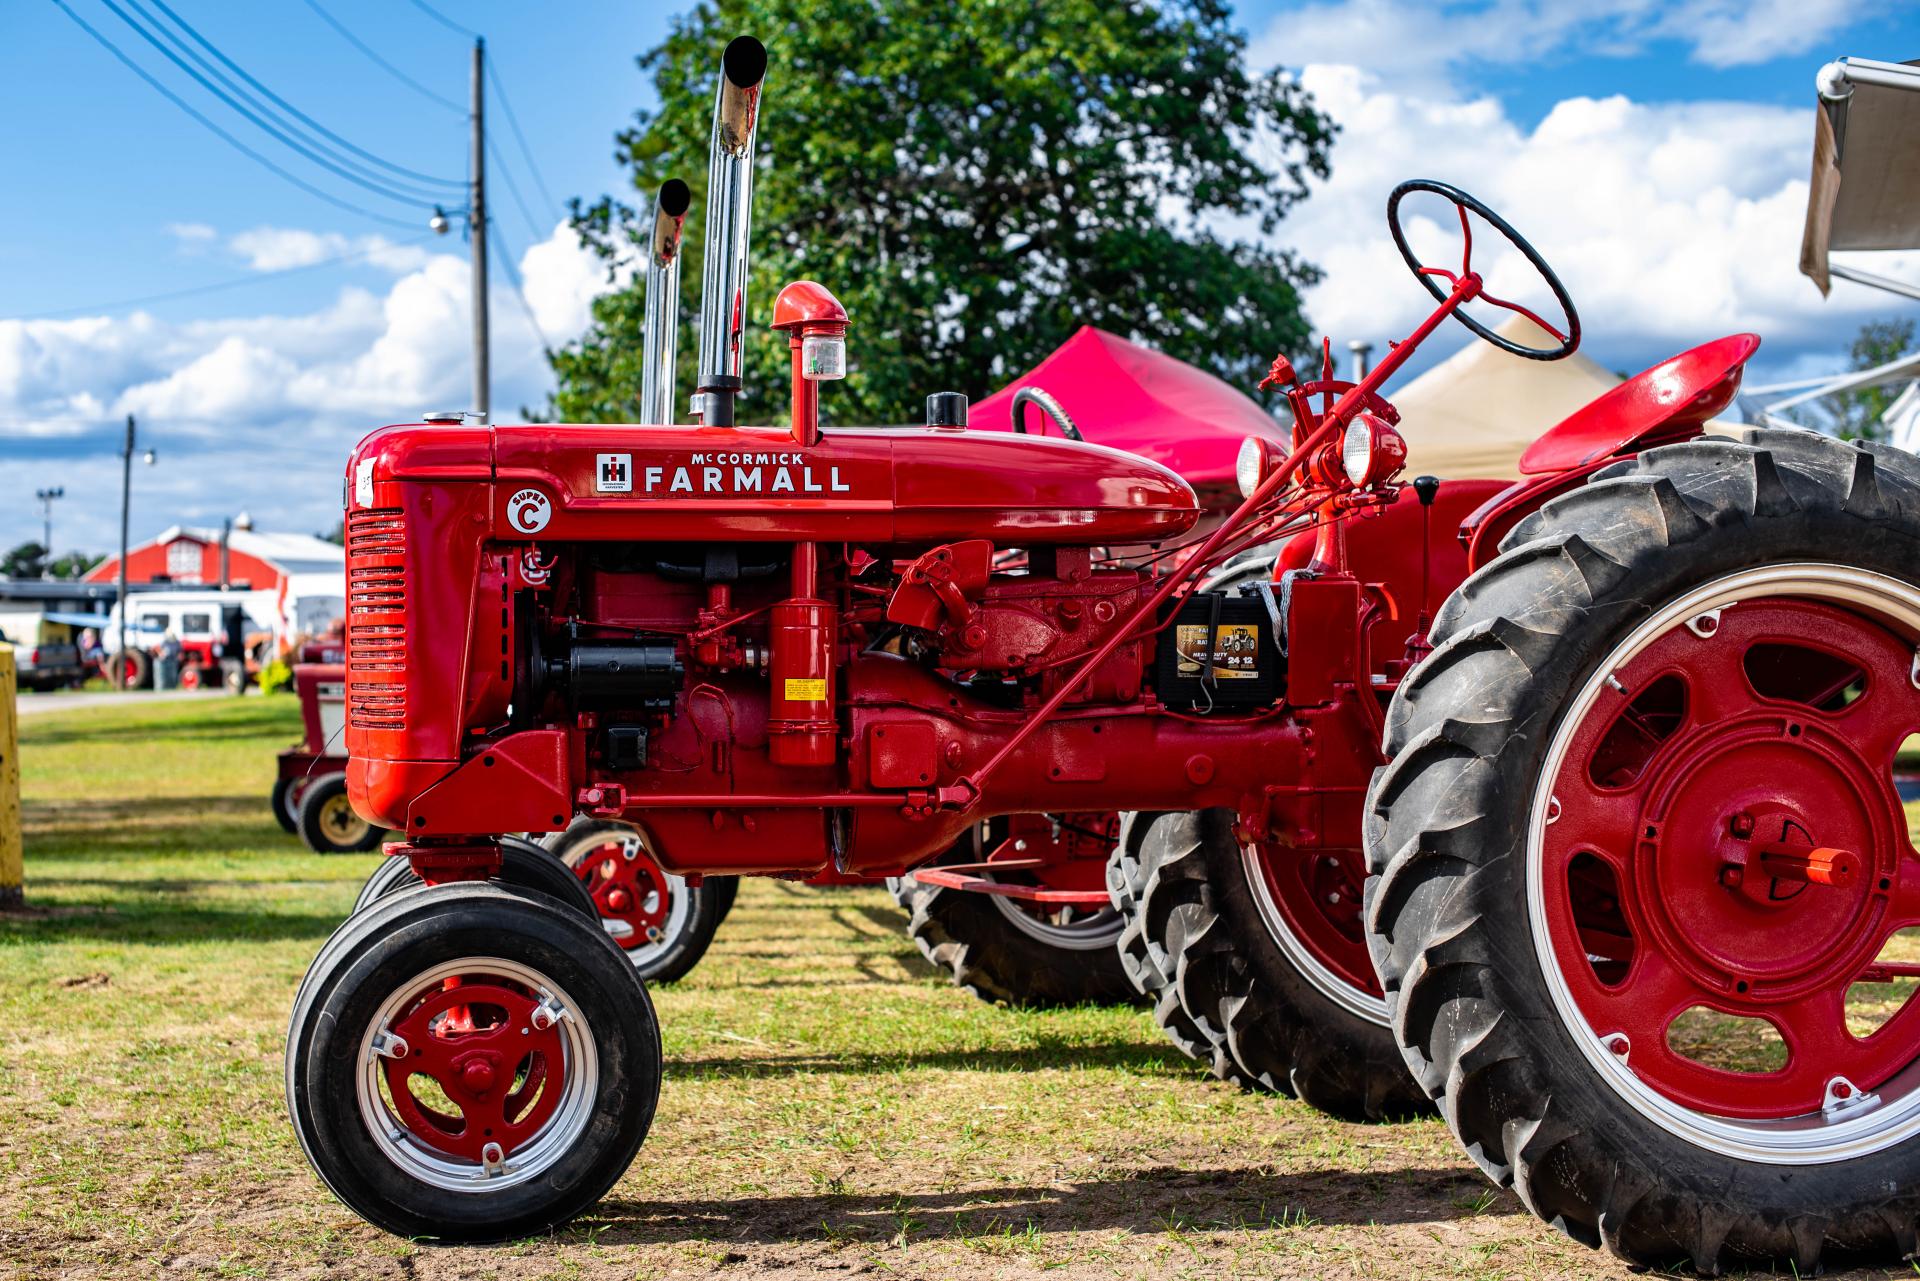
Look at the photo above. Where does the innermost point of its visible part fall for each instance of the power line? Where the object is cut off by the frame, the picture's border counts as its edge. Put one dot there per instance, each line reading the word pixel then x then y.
pixel 218 285
pixel 382 63
pixel 138 70
pixel 513 122
pixel 513 189
pixel 296 144
pixel 513 281
pixel 240 71
pixel 444 20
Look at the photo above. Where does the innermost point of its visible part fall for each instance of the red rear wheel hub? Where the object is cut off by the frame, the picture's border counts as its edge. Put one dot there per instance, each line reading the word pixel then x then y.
pixel 1724 834
pixel 1316 894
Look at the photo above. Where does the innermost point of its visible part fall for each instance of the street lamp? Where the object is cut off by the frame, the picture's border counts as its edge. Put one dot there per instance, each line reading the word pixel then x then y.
pixel 126 499
pixel 46 497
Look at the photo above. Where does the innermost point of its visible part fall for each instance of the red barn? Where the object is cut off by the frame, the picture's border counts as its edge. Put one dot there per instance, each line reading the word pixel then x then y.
pixel 255 560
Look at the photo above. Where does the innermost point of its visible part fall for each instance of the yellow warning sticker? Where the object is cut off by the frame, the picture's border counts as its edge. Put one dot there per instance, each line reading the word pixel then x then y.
pixel 811 689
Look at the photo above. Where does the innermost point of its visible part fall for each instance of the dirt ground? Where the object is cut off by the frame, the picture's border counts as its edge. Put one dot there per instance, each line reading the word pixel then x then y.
pixel 831 1108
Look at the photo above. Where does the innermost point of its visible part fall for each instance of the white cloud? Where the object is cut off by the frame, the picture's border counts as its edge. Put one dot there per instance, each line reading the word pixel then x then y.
pixel 260 411
pixel 192 233
pixel 1421 43
pixel 281 248
pixel 1669 223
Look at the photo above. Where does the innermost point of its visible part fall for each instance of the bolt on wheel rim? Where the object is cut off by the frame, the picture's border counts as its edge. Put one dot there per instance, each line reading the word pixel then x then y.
pixel 1717 830
pixel 1310 902
pixel 643 907
pixel 500 1044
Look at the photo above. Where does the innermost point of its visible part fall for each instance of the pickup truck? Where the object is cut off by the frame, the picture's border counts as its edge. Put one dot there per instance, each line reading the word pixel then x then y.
pixel 45 666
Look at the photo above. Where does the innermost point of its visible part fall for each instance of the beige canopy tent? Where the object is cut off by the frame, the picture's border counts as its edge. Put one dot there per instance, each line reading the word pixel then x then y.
pixel 1475 413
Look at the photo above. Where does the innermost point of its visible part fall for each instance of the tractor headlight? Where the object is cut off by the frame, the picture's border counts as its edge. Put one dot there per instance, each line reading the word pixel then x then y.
pixel 1257 458
pixel 1372 450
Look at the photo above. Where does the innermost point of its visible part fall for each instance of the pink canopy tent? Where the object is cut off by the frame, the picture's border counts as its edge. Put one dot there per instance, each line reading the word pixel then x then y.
pixel 1130 397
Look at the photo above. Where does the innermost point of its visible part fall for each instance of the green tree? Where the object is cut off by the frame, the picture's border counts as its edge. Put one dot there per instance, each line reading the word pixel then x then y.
pixel 28 560
pixel 72 565
pixel 975 180
pixel 1855 415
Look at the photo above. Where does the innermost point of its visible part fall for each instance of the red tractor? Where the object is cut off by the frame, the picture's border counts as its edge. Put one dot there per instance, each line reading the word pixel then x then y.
pixel 1647 766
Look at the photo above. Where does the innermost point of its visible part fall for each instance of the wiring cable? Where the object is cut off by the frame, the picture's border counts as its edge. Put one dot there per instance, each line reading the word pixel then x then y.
pixel 219 285
pixel 513 123
pixel 226 137
pixel 444 20
pixel 265 126
pixel 412 174
pixel 514 282
pixel 380 62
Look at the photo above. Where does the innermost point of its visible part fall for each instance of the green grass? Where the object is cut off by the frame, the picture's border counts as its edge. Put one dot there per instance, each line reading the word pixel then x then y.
pixel 831 1107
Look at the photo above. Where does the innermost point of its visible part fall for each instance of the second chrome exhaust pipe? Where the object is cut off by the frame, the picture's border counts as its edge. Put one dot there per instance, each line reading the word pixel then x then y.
pixel 723 295
pixel 663 302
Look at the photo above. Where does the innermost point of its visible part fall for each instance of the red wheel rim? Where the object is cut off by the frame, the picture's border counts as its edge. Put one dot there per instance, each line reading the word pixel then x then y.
pixel 1311 900
pixel 628 886
pixel 1723 833
pixel 477 1074
pixel 485 1047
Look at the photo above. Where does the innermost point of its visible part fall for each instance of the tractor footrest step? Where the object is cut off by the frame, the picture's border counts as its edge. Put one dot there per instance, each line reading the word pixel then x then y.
pixel 952 879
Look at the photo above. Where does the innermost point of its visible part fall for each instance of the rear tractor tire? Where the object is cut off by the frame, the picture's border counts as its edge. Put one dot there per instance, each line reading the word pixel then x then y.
pixel 1641 795
pixel 1255 963
pixel 469 1064
pixel 1009 951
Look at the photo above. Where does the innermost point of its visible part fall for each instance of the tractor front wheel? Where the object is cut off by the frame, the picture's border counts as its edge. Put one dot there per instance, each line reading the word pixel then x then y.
pixel 470 1064
pixel 523 865
pixel 662 923
pixel 1256 965
pixel 1643 892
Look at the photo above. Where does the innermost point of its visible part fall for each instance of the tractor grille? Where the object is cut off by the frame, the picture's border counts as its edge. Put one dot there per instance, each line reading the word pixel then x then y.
pixel 377 619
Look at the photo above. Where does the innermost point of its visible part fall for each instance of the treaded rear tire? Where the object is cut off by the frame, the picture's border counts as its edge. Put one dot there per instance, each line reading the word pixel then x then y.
pixel 1221 981
pixel 1447 831
pixel 970 938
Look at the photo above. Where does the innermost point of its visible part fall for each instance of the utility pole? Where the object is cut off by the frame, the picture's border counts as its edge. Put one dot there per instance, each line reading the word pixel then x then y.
pixel 477 230
pixel 46 497
pixel 126 502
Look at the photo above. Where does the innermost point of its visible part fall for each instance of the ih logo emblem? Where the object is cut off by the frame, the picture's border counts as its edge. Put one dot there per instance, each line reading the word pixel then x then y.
pixel 613 473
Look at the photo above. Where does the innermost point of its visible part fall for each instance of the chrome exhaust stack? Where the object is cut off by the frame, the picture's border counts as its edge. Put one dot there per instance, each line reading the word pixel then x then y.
pixel 663 302
pixel 723 294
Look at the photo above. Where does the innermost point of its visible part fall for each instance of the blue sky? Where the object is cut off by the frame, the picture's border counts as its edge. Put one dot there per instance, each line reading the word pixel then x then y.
pixel 1652 148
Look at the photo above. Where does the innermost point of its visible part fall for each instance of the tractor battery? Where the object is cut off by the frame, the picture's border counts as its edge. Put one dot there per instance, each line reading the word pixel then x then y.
pixel 1218 654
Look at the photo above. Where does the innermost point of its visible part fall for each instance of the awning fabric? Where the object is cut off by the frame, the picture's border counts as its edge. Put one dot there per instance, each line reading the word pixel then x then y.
pixel 1126 396
pixel 1866 167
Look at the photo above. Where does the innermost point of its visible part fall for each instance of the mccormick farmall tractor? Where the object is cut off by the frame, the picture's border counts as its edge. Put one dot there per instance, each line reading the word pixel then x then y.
pixel 1646 769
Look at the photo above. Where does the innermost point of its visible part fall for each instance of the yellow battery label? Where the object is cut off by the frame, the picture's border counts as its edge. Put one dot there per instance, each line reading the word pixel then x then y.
pixel 808 689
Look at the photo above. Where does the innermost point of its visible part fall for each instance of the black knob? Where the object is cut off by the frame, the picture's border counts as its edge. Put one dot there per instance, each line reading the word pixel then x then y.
pixel 946 409
pixel 1426 489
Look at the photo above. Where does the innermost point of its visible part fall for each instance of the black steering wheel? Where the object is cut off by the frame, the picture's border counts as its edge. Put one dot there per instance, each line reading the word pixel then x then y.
pixel 1432 276
pixel 1048 405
